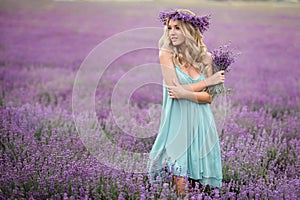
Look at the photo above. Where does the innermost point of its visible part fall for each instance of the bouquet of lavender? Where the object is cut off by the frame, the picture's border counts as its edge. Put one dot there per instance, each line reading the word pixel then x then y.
pixel 223 57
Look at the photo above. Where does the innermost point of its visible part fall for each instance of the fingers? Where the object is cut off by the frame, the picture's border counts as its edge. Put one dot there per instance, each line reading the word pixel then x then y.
pixel 171 94
pixel 216 78
pixel 222 76
pixel 171 87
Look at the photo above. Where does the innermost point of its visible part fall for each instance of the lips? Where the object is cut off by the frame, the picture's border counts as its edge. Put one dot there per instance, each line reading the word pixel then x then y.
pixel 174 41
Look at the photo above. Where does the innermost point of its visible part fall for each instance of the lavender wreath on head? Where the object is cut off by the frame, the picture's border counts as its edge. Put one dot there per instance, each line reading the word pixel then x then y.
pixel 198 22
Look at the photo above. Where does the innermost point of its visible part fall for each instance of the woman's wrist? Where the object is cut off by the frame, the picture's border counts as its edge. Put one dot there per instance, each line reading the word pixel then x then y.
pixel 186 94
pixel 205 83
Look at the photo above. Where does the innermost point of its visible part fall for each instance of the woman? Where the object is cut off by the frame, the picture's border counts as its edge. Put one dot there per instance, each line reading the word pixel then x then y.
pixel 187 143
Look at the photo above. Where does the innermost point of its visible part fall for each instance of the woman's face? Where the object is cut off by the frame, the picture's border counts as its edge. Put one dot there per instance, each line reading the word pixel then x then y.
pixel 175 33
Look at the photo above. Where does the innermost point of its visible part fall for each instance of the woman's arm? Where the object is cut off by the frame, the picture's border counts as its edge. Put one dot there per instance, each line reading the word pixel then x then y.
pixel 185 91
pixel 170 77
pixel 209 60
pixel 169 74
pixel 178 92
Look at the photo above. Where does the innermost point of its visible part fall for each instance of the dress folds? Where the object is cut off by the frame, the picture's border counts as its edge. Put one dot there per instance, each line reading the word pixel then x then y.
pixel 187 142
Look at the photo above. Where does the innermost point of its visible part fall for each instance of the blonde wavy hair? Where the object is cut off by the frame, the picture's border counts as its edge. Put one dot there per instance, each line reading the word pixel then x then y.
pixel 195 48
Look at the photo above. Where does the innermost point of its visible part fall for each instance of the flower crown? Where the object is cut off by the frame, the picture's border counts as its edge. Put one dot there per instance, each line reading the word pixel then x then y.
pixel 198 22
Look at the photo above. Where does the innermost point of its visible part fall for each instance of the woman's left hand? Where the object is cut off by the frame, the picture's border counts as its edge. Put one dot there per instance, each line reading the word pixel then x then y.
pixel 176 91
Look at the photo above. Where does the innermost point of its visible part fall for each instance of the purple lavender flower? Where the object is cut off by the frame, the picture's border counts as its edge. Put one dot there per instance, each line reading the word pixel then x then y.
pixel 223 57
pixel 198 22
pixel 41 155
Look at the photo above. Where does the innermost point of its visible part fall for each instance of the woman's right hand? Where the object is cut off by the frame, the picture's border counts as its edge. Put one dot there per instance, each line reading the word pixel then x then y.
pixel 216 78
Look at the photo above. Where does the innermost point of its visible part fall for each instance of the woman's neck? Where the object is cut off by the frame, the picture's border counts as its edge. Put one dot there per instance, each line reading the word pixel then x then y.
pixel 182 49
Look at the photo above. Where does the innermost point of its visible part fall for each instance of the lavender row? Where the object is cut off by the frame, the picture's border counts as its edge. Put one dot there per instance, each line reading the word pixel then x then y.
pixel 265 74
pixel 42 153
pixel 42 156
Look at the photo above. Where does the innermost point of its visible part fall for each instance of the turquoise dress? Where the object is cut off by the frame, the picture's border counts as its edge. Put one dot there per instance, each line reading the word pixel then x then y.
pixel 187 143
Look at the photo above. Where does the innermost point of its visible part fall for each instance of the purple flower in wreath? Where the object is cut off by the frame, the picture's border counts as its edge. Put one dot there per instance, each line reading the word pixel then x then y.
pixel 198 22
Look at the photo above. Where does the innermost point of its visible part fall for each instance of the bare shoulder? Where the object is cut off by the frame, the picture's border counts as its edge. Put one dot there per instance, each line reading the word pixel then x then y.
pixel 166 58
pixel 208 61
pixel 208 58
pixel 165 52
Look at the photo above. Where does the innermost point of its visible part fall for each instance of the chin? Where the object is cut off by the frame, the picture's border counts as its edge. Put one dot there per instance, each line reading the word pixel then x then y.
pixel 177 45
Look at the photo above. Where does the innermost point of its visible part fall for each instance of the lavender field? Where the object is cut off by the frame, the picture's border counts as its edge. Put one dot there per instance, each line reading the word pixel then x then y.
pixel 45 155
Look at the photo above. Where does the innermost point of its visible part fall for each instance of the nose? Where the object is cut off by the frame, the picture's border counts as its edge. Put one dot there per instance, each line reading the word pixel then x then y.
pixel 171 31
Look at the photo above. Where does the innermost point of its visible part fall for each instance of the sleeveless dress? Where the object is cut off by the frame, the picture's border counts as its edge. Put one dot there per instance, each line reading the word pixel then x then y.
pixel 187 143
